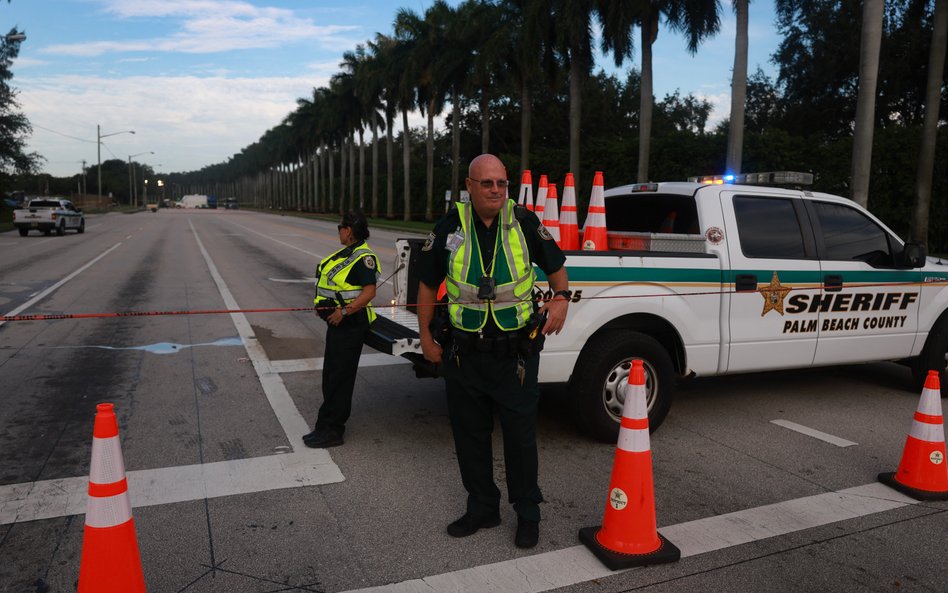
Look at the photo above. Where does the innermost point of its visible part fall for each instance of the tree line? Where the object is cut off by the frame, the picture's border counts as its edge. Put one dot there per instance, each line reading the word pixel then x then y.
pixel 856 100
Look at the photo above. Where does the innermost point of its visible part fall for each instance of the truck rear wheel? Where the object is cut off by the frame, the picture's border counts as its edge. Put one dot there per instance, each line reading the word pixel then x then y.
pixel 61 229
pixel 934 357
pixel 24 231
pixel 603 370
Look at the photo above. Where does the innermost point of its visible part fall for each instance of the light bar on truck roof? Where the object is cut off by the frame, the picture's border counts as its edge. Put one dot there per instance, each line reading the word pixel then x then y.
pixel 767 178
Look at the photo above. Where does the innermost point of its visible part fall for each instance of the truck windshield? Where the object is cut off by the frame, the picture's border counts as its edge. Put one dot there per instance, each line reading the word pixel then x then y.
pixel 44 204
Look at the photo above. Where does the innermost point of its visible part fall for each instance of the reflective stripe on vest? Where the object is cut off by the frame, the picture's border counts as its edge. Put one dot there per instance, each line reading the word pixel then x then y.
pixel 510 268
pixel 333 272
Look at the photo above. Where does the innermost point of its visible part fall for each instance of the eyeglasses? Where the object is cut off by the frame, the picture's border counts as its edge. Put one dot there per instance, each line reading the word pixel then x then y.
pixel 489 183
pixel 342 226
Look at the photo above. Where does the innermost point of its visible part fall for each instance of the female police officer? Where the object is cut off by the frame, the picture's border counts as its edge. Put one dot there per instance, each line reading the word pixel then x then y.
pixel 345 287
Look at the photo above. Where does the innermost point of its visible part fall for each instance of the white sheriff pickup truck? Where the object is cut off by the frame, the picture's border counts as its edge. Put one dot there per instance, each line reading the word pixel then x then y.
pixel 750 278
pixel 48 215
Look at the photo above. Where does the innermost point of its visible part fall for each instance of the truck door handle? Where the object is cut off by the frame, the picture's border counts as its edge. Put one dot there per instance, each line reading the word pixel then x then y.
pixel 745 282
pixel 832 283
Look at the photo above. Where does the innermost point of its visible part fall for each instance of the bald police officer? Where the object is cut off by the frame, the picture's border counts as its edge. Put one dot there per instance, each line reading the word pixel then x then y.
pixel 485 251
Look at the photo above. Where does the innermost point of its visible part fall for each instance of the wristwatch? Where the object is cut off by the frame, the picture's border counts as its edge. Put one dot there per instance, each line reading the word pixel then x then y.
pixel 567 294
pixel 344 310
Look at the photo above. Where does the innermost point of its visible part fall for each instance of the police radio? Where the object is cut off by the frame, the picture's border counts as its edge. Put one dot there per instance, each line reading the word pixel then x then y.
pixel 487 288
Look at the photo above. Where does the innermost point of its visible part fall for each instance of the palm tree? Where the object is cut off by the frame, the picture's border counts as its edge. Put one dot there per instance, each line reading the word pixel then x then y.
pixel 697 20
pixel 735 136
pixel 926 156
pixel 573 41
pixel 381 68
pixel 408 64
pixel 870 42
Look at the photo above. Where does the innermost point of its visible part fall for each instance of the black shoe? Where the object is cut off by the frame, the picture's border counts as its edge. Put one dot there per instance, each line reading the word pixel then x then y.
pixel 469 524
pixel 528 533
pixel 322 439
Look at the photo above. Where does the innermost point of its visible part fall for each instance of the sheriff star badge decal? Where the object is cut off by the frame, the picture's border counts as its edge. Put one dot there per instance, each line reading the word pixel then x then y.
pixel 774 294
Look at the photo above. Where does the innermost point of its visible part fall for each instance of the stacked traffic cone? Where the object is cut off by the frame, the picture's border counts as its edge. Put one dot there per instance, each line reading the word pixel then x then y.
pixel 569 225
pixel 923 471
pixel 526 191
pixel 668 225
pixel 594 232
pixel 551 214
pixel 628 535
pixel 542 190
pixel 110 559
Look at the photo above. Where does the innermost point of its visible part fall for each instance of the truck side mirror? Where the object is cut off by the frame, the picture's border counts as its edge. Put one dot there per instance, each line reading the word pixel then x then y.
pixel 913 255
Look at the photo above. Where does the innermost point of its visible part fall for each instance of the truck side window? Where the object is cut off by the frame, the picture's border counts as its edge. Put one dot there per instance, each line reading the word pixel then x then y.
pixel 769 228
pixel 850 235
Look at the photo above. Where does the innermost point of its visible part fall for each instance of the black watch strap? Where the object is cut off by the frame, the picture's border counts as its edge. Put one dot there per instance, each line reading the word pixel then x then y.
pixel 564 293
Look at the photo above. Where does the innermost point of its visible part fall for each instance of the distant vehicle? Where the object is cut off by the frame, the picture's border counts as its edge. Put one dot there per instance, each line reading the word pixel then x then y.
pixel 212 202
pixel 231 204
pixel 48 215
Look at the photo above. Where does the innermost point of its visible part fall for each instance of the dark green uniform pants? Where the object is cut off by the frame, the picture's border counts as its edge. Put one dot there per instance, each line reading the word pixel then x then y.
pixel 481 384
pixel 340 365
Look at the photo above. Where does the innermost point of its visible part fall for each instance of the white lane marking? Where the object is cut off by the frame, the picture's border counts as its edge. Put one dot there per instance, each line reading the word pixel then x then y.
pixel 316 364
pixel 570 566
pixel 316 255
pixel 309 467
pixel 294 280
pixel 283 407
pixel 67 496
pixel 816 434
pixel 52 288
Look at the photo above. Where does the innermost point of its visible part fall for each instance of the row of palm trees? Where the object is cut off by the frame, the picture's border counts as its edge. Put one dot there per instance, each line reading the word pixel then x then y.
pixel 502 50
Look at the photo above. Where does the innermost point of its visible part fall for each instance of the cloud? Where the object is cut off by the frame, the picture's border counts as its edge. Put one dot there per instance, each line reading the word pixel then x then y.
pixel 189 122
pixel 211 26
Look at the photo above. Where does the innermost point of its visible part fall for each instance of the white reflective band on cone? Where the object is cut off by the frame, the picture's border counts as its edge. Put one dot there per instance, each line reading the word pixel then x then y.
pixel 633 440
pixel 930 433
pixel 930 403
pixel 108 511
pixel 107 465
pixel 635 406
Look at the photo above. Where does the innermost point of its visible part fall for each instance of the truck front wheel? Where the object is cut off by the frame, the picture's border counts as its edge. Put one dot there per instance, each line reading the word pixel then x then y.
pixel 934 357
pixel 602 371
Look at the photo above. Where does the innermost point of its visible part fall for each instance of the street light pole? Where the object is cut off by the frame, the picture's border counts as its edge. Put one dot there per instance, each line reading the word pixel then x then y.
pixel 132 187
pixel 98 145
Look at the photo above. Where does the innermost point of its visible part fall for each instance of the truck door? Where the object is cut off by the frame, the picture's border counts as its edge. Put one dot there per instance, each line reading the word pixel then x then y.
pixel 869 307
pixel 773 257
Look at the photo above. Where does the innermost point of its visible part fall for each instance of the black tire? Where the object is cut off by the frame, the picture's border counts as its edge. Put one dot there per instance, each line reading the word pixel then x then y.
pixel 24 231
pixel 934 357
pixel 82 227
pixel 604 366
pixel 61 229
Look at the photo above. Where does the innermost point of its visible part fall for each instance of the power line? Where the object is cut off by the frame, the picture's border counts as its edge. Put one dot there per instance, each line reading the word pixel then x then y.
pixel 60 133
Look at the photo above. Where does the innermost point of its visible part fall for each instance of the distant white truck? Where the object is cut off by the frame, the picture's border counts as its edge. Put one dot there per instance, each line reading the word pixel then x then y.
pixel 48 215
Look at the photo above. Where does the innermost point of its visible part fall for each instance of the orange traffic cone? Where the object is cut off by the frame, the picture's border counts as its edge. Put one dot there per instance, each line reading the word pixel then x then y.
pixel 542 190
pixel 551 214
pixel 595 237
pixel 526 191
pixel 569 225
pixel 628 535
pixel 923 473
pixel 110 559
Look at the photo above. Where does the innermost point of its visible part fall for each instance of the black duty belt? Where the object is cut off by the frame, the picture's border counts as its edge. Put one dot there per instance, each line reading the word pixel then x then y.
pixel 508 344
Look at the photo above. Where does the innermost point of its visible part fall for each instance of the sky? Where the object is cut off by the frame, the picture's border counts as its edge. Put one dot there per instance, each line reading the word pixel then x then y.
pixel 199 80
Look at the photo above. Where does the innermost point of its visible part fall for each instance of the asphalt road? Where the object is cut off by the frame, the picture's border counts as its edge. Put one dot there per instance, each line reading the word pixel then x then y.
pixel 226 498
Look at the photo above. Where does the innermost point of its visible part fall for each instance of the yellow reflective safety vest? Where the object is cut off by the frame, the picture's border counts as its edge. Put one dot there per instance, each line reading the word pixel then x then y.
pixel 511 269
pixel 332 273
